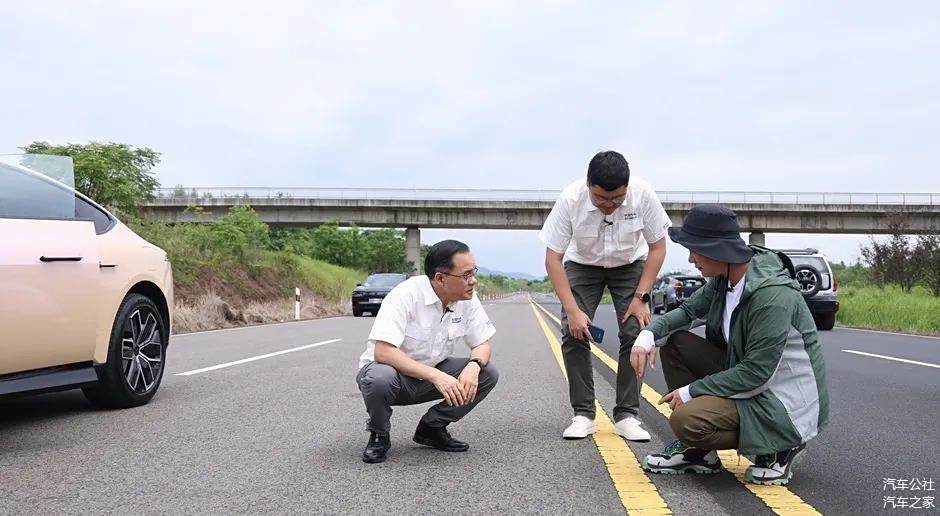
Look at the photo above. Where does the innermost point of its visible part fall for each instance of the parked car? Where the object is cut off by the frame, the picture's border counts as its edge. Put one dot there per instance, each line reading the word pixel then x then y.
pixel 817 284
pixel 671 290
pixel 84 301
pixel 368 295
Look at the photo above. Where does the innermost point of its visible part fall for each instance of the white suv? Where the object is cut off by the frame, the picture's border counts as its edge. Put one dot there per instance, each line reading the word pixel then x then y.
pixel 817 283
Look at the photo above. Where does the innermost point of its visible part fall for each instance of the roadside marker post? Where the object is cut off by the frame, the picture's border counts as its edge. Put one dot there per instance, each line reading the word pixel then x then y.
pixel 297 303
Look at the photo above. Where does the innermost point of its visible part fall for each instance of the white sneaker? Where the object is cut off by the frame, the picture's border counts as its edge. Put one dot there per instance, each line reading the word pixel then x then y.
pixel 630 430
pixel 579 428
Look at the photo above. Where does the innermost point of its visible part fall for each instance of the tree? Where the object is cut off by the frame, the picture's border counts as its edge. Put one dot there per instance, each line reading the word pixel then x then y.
pixel 115 175
pixel 891 261
pixel 927 261
pixel 383 250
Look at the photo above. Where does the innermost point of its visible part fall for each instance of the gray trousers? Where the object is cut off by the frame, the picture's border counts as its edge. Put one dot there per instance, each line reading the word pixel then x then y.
pixel 587 286
pixel 382 387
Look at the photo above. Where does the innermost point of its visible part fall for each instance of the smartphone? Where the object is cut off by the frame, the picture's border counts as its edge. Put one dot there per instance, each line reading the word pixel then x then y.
pixel 597 333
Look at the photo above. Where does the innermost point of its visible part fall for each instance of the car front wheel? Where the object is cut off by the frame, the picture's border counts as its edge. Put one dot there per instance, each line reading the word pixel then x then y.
pixel 136 355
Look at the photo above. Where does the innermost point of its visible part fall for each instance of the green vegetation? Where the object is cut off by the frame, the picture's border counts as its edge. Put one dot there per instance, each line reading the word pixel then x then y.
pixel 496 284
pixel 890 309
pixel 237 254
pixel 897 288
pixel 115 175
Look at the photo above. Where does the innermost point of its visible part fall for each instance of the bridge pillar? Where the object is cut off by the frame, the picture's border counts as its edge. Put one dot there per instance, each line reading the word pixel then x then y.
pixel 757 238
pixel 413 249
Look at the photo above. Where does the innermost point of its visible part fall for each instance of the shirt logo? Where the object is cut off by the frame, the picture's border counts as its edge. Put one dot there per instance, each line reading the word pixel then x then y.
pixel 629 216
pixel 456 320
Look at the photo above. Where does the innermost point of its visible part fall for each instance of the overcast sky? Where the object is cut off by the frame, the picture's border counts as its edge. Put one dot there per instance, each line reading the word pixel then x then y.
pixel 768 96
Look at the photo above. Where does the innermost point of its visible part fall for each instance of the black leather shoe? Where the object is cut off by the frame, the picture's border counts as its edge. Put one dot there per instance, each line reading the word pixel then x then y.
pixel 376 449
pixel 438 438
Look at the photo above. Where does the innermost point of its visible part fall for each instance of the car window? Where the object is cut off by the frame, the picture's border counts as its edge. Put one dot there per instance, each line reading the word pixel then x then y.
pixel 815 261
pixel 25 195
pixel 383 280
pixel 86 211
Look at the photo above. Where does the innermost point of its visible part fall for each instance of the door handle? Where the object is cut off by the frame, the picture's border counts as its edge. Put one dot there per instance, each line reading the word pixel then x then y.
pixel 106 265
pixel 47 259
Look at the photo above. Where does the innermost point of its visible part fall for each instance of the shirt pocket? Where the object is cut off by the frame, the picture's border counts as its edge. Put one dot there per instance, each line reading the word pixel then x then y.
pixel 456 331
pixel 586 235
pixel 629 231
pixel 417 344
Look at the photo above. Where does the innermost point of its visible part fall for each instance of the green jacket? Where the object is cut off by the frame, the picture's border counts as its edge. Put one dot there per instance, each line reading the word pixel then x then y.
pixel 775 370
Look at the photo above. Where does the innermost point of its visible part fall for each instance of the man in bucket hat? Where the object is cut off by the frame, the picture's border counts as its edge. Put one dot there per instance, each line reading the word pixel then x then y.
pixel 757 381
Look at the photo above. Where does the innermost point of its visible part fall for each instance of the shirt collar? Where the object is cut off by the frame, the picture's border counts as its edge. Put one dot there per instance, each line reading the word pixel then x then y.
pixel 430 297
pixel 736 290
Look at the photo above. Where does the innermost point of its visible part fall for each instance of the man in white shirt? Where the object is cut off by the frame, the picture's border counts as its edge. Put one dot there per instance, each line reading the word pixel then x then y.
pixel 408 359
pixel 610 232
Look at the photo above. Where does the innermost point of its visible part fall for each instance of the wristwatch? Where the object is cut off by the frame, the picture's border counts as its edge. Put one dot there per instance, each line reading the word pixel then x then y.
pixel 478 361
pixel 642 296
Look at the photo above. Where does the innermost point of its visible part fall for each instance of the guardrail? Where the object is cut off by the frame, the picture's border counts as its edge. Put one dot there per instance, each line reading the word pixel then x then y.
pixel 440 194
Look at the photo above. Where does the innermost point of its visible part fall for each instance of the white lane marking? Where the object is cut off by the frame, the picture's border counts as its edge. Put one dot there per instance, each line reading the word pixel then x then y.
pixel 259 357
pixel 889 332
pixel 906 361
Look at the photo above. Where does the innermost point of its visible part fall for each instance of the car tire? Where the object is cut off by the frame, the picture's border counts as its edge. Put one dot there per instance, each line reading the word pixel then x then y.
pixel 809 279
pixel 357 313
pixel 826 322
pixel 136 356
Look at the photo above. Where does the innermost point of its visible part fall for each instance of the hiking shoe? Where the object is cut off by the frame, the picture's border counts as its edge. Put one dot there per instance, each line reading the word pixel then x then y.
pixel 677 458
pixel 774 469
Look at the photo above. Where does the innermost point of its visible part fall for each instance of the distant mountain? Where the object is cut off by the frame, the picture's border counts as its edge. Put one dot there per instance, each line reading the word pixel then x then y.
pixel 513 275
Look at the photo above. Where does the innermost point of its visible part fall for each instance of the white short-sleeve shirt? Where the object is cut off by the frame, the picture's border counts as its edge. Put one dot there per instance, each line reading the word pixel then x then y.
pixel 413 319
pixel 585 235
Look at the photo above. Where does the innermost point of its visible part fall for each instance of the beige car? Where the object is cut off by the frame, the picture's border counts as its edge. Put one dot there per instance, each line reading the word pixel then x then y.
pixel 84 302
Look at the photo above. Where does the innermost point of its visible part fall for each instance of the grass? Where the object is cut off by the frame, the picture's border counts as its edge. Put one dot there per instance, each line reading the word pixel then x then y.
pixel 889 309
pixel 331 282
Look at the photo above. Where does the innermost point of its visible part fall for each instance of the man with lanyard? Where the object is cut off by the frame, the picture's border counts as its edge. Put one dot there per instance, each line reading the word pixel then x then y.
pixel 611 229
pixel 408 359
pixel 757 381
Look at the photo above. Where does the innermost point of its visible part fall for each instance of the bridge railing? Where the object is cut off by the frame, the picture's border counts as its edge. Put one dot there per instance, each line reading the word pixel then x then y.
pixel 454 194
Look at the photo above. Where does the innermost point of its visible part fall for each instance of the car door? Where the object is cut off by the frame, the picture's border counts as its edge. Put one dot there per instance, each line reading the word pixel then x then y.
pixel 48 275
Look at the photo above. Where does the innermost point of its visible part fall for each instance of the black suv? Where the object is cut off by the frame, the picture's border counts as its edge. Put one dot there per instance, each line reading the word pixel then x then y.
pixel 368 295
pixel 817 283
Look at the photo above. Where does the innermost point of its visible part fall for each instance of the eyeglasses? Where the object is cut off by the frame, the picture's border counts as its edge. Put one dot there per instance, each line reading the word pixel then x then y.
pixel 465 276
pixel 610 201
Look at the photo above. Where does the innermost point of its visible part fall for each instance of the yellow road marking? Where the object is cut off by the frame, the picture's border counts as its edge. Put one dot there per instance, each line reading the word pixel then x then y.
pixel 778 498
pixel 637 494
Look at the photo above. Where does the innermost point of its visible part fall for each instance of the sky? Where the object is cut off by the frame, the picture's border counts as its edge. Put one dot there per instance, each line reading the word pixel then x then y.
pixel 731 96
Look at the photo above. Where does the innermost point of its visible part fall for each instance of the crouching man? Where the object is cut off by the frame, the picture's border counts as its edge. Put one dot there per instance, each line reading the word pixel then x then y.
pixel 757 381
pixel 408 359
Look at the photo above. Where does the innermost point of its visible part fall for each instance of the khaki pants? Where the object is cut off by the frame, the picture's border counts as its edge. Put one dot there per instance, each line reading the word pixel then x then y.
pixel 706 422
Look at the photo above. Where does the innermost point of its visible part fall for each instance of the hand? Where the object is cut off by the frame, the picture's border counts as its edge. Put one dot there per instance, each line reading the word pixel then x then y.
pixel 673 398
pixel 578 322
pixel 450 388
pixel 469 379
pixel 640 310
pixel 639 357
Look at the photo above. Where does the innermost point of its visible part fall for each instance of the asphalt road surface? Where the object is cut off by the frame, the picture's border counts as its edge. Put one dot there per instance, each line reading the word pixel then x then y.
pixel 283 433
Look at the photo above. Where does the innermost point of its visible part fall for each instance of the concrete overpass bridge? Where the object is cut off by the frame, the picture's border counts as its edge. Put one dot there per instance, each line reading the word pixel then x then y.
pixel 412 209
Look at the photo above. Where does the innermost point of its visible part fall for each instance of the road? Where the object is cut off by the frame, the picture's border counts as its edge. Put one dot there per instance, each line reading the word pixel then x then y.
pixel 283 433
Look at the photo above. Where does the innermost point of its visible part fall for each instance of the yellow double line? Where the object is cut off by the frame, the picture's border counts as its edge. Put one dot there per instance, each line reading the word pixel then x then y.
pixel 639 495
